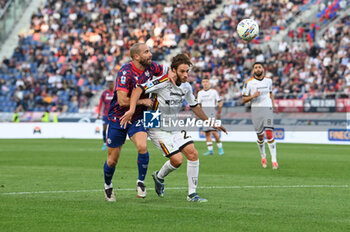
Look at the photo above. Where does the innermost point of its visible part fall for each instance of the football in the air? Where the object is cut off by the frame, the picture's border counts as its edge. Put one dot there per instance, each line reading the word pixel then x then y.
pixel 248 29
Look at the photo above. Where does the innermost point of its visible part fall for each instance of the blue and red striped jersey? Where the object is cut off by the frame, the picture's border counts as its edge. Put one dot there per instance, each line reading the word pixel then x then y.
pixel 127 79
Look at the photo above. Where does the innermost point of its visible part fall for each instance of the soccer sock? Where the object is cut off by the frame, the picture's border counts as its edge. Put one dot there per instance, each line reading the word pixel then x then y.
pixel 219 145
pixel 192 175
pixel 104 136
pixel 210 146
pixel 142 163
pixel 165 170
pixel 261 145
pixel 108 173
pixel 272 147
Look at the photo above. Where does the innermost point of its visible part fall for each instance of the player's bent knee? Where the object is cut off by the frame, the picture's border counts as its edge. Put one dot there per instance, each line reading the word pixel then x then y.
pixel 269 134
pixel 142 148
pixel 193 156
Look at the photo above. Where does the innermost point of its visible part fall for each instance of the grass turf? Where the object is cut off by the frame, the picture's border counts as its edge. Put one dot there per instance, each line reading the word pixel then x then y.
pixel 277 205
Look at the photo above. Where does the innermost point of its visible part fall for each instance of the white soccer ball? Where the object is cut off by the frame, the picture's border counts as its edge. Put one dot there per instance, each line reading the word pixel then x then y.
pixel 248 29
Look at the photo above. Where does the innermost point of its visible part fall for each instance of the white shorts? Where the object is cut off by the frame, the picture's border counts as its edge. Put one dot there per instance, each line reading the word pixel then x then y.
pixel 169 142
pixel 262 118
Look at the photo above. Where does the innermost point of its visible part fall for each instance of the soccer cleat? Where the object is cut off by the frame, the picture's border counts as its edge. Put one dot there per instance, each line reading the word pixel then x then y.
pixel 109 195
pixel 141 189
pixel 208 153
pixel 104 147
pixel 194 197
pixel 263 162
pixel 274 165
pixel 158 185
pixel 221 151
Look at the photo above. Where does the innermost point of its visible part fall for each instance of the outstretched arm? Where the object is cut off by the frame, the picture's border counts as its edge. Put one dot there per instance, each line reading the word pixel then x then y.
pixel 200 113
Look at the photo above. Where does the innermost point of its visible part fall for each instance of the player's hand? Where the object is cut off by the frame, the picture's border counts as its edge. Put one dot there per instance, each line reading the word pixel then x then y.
pixel 126 118
pixel 275 109
pixel 223 129
pixel 148 102
pixel 256 94
pixel 99 116
pixel 171 76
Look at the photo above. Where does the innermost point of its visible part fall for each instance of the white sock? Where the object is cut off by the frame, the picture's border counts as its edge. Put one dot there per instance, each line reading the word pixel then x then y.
pixel 272 147
pixel 192 175
pixel 219 145
pixel 108 186
pixel 261 145
pixel 210 146
pixel 165 170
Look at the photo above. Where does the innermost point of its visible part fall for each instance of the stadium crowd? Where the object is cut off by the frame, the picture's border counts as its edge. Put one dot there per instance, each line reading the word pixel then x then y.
pixel 321 70
pixel 72 45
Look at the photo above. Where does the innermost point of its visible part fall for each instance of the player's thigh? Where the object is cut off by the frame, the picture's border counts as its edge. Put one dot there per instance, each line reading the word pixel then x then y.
pixel 140 141
pixel 164 141
pixel 116 135
pixel 258 120
pixel 185 143
pixel 138 135
pixel 268 119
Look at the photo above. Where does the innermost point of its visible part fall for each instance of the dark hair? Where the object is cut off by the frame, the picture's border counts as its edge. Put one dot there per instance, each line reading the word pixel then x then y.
pixel 135 49
pixel 180 59
pixel 205 78
pixel 261 63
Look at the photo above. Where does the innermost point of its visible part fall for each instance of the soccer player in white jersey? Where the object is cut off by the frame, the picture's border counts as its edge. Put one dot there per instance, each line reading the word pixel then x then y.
pixel 172 143
pixel 258 90
pixel 209 99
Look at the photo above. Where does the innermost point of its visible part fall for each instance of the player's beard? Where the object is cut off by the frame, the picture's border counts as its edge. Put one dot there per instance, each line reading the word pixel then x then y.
pixel 145 62
pixel 258 74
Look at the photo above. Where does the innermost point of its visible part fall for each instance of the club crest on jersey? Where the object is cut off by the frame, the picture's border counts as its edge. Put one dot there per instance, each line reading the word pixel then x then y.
pixel 147 73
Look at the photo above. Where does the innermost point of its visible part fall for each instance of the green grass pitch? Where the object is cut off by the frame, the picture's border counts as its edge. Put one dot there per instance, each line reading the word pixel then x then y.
pixel 57 185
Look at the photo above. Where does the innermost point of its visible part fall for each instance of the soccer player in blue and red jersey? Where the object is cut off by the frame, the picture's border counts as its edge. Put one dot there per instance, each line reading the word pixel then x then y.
pixel 105 99
pixel 138 71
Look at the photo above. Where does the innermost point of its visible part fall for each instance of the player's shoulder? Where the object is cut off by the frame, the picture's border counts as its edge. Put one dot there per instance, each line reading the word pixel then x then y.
pixel 268 79
pixel 247 82
pixel 250 80
pixel 187 86
pixel 125 69
pixel 155 66
pixel 213 91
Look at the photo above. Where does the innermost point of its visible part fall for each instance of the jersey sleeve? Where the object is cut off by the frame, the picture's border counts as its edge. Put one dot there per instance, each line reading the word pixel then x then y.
pixel 151 86
pixel 158 69
pixel 217 97
pixel 199 97
pixel 189 97
pixel 123 80
pixel 246 89
pixel 270 85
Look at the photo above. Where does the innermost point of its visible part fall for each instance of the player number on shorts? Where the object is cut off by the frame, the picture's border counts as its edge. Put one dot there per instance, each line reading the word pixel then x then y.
pixel 138 123
pixel 185 134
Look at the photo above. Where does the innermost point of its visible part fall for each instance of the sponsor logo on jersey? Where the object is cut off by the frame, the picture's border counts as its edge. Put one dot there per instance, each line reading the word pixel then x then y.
pixel 122 80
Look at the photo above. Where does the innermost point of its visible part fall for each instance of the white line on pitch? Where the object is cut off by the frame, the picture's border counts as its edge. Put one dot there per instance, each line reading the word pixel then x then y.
pixel 181 188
